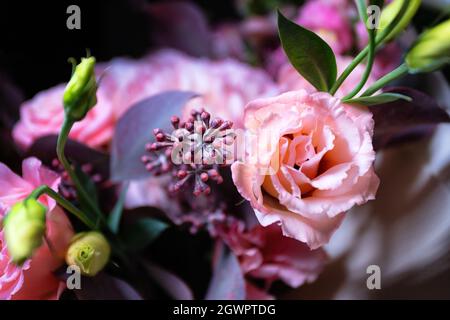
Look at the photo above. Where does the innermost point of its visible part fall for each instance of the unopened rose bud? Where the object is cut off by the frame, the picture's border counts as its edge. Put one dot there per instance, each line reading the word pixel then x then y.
pixel 24 229
pixel 80 93
pixel 89 251
pixel 431 51
pixel 390 12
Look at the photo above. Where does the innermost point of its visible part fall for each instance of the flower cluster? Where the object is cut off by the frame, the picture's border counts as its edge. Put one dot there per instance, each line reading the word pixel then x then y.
pixel 260 163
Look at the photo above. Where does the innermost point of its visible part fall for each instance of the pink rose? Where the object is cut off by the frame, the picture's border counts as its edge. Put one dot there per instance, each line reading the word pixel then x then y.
pixel 266 255
pixel 44 115
pixel 35 279
pixel 290 80
pixel 317 166
pixel 226 87
pixel 330 21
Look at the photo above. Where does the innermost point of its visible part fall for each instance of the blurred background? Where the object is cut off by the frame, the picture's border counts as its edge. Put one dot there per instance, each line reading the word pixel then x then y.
pixel 405 231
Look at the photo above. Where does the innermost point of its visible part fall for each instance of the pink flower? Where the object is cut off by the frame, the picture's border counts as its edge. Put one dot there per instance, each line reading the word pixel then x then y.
pixel 290 80
pixel 266 255
pixel 225 86
pixel 315 164
pixel 35 279
pixel 44 114
pixel 329 20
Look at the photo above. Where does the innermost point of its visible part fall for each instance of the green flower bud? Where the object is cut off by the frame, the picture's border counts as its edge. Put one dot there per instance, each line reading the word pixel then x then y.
pixel 89 251
pixel 24 229
pixel 80 93
pixel 431 51
pixel 390 12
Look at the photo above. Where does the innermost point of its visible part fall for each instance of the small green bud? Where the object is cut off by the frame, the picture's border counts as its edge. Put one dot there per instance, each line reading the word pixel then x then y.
pixel 89 251
pixel 431 51
pixel 24 229
pixel 80 93
pixel 390 12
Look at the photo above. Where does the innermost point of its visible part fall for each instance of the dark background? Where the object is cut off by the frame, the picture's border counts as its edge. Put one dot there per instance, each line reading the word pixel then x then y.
pixel 35 42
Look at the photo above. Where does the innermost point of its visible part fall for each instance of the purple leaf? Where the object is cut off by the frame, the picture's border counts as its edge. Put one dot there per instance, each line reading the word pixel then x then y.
pixel 402 120
pixel 171 20
pixel 105 287
pixel 228 281
pixel 44 148
pixel 174 286
pixel 135 129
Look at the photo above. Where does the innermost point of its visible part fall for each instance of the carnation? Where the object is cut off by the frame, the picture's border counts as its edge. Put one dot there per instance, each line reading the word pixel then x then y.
pixel 35 278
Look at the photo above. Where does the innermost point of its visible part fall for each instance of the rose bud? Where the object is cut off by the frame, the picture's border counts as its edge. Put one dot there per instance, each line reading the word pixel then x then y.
pixel 80 93
pixel 24 229
pixel 390 12
pixel 431 51
pixel 89 251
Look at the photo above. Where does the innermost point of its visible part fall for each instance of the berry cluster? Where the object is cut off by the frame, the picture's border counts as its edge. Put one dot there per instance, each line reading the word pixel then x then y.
pixel 194 151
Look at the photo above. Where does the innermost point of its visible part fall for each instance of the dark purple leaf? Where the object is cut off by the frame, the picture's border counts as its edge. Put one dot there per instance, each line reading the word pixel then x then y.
pixel 173 285
pixel 135 129
pixel 228 281
pixel 105 287
pixel 45 149
pixel 172 20
pixel 402 120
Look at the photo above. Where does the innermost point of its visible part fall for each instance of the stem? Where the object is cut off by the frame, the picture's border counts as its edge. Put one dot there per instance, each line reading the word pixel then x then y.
pixel 363 13
pixel 362 55
pixel 357 60
pixel 62 202
pixel 62 140
pixel 391 76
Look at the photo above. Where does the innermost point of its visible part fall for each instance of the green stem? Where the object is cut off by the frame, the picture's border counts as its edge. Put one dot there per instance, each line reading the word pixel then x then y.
pixel 362 55
pixel 363 13
pixel 62 140
pixel 382 82
pixel 62 202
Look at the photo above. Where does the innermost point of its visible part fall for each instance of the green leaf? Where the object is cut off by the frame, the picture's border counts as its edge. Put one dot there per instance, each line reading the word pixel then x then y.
pixel 116 213
pixel 143 232
pixel 378 99
pixel 308 53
